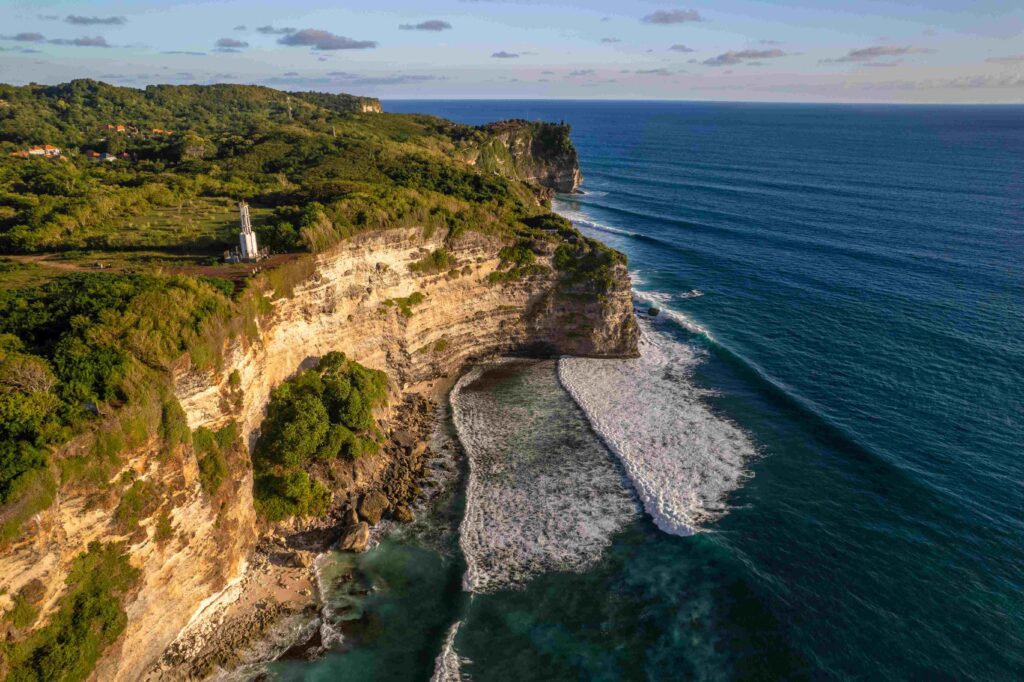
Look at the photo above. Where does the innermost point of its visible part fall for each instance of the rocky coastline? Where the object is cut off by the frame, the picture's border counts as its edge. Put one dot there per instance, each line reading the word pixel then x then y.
pixel 275 609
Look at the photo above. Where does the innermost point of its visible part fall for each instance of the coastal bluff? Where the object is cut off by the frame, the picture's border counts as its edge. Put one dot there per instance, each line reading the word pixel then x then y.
pixel 413 245
pixel 367 296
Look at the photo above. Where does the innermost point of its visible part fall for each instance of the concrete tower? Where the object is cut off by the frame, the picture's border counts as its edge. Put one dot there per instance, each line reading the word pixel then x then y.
pixel 247 238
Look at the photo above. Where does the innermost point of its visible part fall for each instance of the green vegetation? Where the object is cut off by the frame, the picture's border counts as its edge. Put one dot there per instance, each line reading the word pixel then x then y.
pixel 517 262
pixel 313 170
pixel 138 501
pixel 89 618
pixel 438 261
pixel 212 448
pixel 588 262
pixel 318 416
pixel 406 303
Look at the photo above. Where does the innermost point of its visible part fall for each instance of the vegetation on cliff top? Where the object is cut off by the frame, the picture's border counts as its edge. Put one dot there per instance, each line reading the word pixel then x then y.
pixel 319 416
pixel 280 151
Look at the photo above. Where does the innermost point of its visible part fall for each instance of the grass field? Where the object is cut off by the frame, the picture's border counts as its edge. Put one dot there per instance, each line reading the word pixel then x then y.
pixel 209 225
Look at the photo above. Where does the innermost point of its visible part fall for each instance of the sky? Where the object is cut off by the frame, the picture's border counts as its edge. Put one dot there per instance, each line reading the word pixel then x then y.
pixel 955 51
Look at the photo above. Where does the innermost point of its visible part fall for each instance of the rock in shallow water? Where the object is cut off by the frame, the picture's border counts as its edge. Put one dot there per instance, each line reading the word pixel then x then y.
pixel 403 514
pixel 355 538
pixel 373 506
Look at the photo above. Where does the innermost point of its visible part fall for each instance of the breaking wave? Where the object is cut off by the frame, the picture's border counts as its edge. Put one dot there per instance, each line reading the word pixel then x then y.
pixel 448 664
pixel 682 458
pixel 543 493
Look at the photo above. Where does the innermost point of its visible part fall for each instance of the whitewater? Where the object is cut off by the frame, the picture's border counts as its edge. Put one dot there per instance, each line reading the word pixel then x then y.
pixel 543 493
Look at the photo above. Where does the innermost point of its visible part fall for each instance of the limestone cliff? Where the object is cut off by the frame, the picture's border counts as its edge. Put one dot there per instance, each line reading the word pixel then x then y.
pixel 540 153
pixel 188 544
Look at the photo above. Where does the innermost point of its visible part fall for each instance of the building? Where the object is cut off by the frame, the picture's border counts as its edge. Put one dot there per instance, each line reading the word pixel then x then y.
pixel 46 151
pixel 248 250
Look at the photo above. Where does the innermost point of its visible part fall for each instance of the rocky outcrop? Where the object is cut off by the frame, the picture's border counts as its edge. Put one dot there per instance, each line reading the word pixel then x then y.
pixel 355 538
pixel 540 153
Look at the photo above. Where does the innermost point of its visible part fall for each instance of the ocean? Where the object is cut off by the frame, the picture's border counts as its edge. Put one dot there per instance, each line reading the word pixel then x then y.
pixel 815 470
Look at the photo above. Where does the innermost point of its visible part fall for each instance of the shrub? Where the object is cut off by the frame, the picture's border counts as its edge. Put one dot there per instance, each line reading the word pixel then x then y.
pixel 319 415
pixel 89 618
pixel 211 450
pixel 437 261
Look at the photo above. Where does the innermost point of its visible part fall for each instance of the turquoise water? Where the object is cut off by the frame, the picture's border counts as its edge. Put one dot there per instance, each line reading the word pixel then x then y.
pixel 825 428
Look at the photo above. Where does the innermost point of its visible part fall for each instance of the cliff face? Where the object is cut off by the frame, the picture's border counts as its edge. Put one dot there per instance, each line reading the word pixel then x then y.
pixel 540 153
pixel 189 545
pixel 348 305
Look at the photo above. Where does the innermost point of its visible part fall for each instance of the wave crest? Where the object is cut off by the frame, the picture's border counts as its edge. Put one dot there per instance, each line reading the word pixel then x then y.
pixel 683 459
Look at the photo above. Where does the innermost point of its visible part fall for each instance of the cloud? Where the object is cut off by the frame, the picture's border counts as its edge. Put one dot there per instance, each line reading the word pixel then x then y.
pixel 673 16
pixel 548 73
pixel 738 57
pixel 1011 59
pixel 680 48
pixel 26 37
pixel 230 45
pixel 866 54
pixel 240 27
pixel 190 53
pixel 271 31
pixel 345 79
pixel 430 25
pixel 609 41
pixel 290 74
pixel 768 42
pixel 85 41
pixel 324 40
pixel 505 55
pixel 580 73
pixel 94 21
pixel 653 72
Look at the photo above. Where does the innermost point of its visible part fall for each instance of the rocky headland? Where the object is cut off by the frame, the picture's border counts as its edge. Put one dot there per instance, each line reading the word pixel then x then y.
pixel 214 581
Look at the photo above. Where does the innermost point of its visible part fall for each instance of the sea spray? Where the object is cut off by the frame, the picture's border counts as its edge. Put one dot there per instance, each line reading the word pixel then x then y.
pixel 543 493
pixel 682 458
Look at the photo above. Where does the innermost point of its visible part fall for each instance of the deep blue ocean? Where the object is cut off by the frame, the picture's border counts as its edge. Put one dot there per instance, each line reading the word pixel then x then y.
pixel 835 388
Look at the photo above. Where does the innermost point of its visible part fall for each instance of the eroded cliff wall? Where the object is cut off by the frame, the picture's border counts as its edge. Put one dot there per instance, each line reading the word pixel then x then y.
pixel 539 153
pixel 189 545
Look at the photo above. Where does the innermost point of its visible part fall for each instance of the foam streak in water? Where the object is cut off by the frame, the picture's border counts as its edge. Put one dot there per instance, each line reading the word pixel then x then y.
pixel 543 493
pixel 682 458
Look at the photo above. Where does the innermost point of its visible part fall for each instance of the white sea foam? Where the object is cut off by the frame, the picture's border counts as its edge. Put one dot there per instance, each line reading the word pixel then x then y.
pixel 660 300
pixel 578 219
pixel 448 664
pixel 683 459
pixel 543 493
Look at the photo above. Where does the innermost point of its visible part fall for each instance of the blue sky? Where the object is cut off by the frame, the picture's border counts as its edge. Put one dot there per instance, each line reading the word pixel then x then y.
pixel 769 50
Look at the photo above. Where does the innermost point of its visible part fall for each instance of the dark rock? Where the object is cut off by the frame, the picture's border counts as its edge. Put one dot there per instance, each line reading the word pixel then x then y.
pixel 350 517
pixel 373 506
pixel 405 438
pixel 403 514
pixel 653 312
pixel 355 538
pixel 297 559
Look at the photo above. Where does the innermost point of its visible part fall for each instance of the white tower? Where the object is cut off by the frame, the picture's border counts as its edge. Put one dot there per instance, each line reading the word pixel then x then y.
pixel 247 238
